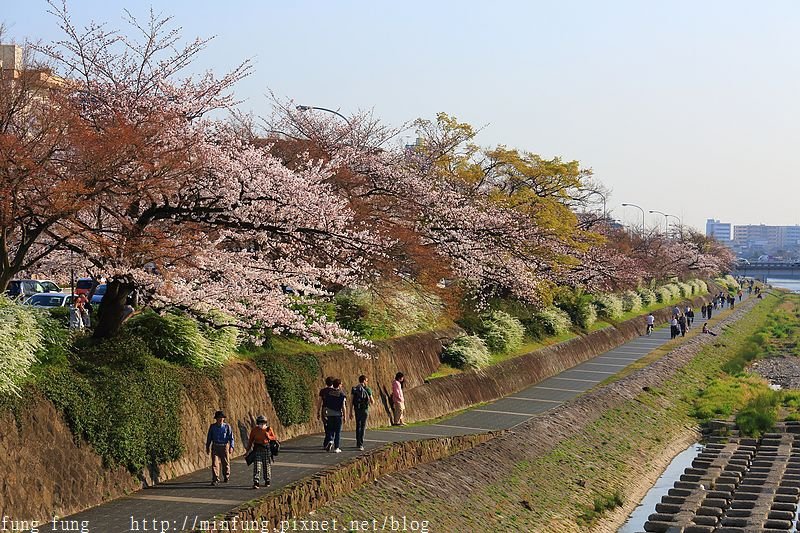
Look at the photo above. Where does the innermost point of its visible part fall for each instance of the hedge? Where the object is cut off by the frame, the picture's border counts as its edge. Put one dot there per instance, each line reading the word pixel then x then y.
pixel 128 409
pixel 290 381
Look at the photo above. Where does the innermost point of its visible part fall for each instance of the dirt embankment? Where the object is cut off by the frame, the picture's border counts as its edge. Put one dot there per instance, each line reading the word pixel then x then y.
pixel 606 438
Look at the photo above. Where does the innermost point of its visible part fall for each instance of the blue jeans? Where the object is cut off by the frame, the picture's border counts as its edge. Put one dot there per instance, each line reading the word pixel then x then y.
pixel 361 426
pixel 333 430
pixel 325 427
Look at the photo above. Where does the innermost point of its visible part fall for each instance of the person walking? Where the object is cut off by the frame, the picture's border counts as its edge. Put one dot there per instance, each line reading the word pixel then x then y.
pixel 259 441
pixel 673 327
pixel 651 322
pixel 689 316
pixel 741 293
pixel 219 443
pixel 398 400
pixel 708 312
pixel 682 325
pixel 361 397
pixel 335 411
pixel 323 393
pixel 703 311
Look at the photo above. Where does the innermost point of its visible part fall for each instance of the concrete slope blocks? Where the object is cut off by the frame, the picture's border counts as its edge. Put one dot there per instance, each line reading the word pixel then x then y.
pixel 740 486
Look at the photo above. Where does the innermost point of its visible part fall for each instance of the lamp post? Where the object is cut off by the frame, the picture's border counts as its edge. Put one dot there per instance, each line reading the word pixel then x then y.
pixel 310 107
pixel 603 196
pixel 680 224
pixel 643 215
pixel 666 220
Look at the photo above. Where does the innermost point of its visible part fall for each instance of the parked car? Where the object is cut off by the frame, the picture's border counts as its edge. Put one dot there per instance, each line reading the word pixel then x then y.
pixel 49 300
pixel 99 292
pixel 84 285
pixel 49 286
pixel 24 288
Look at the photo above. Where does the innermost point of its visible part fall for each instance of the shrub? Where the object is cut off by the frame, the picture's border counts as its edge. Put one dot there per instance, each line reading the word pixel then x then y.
pixel 674 290
pixel 178 338
pixel 20 340
pixel 129 412
pixel 56 340
pixel 702 286
pixel 663 295
pixel 631 301
pixel 684 289
pixel 502 332
pixel 552 321
pixel 290 381
pixel 466 351
pixel 399 313
pixel 608 306
pixel 759 415
pixel 578 305
pixel 647 296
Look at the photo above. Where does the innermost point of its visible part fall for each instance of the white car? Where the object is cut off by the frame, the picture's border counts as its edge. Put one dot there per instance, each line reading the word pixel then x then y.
pixel 49 300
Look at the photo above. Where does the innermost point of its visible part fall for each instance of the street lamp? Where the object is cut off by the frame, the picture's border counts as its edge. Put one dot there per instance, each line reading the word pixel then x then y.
pixel 603 196
pixel 640 209
pixel 310 107
pixel 680 224
pixel 666 220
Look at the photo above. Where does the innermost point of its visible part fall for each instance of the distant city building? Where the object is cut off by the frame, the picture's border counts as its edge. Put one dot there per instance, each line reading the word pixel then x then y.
pixel 719 230
pixel 754 240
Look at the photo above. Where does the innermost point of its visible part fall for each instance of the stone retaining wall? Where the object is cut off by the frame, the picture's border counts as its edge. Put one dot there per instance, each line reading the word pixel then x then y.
pixel 323 487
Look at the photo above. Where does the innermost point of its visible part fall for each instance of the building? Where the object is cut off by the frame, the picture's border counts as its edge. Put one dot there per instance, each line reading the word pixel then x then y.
pixel 15 70
pixel 719 230
pixel 755 240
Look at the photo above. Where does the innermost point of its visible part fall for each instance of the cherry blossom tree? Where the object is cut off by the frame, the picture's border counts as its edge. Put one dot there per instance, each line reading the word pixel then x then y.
pixel 185 209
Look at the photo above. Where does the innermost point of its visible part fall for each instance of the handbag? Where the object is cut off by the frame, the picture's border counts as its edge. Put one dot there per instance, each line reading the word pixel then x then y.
pixel 250 457
pixel 274 447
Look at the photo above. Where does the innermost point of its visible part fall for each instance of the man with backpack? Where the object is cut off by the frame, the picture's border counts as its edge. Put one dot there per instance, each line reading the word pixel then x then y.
pixel 361 400
pixel 335 412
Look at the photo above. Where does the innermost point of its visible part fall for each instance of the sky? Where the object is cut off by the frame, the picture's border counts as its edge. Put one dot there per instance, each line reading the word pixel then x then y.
pixel 685 107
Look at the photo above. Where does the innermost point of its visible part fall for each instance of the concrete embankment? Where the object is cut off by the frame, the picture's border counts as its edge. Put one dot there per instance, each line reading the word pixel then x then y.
pixel 553 471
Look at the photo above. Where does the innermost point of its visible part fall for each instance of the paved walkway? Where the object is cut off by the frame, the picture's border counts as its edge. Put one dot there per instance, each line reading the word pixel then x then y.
pixel 181 503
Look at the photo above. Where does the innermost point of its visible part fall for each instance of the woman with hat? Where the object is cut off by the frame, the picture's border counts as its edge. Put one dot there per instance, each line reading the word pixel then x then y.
pixel 260 437
pixel 219 443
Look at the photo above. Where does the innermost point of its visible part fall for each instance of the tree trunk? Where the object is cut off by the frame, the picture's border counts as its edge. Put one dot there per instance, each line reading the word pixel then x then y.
pixel 111 309
pixel 5 277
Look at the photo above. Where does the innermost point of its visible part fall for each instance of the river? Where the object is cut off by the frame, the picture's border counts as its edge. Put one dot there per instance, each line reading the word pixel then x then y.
pixel 790 284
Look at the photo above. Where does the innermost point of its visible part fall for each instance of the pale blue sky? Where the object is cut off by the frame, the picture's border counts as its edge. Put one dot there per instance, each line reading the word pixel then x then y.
pixel 687 107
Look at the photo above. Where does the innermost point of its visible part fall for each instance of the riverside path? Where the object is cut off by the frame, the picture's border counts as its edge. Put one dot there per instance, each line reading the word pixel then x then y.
pixel 180 504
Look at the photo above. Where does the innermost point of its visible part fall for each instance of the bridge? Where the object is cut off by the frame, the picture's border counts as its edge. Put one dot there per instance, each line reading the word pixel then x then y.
pixel 769 269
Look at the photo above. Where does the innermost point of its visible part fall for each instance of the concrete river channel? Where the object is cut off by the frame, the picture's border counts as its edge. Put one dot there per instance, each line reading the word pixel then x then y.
pixel 727 485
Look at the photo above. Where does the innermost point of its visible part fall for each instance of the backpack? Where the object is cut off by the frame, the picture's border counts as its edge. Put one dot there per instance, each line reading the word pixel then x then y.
pixel 334 401
pixel 360 398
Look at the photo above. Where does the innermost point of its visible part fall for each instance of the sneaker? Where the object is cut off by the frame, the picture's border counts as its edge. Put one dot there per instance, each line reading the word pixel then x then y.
pixel 361 448
pixel 338 450
pixel 214 483
pixel 255 485
pixel 267 483
pixel 328 446
pixel 226 480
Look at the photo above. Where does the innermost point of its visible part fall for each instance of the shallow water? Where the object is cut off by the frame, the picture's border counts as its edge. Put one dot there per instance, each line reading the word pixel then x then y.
pixel 791 284
pixel 671 474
